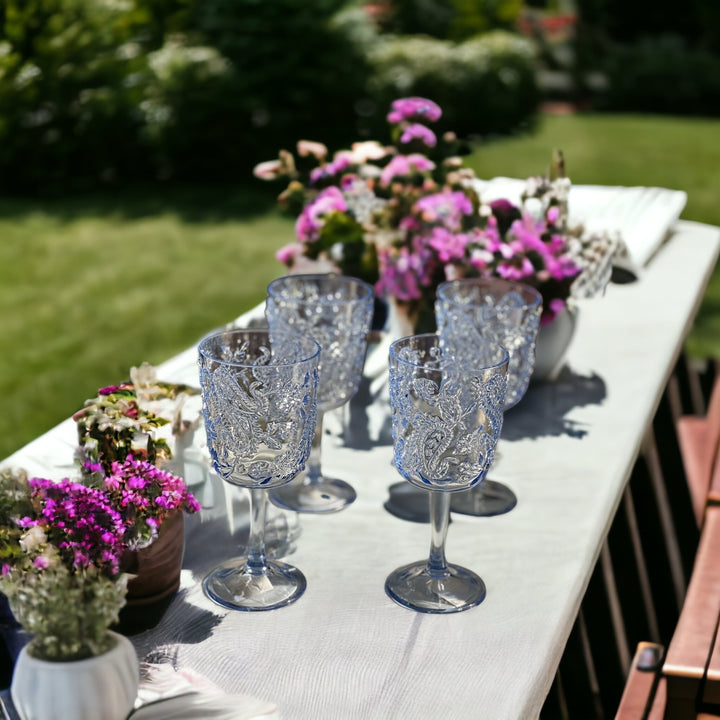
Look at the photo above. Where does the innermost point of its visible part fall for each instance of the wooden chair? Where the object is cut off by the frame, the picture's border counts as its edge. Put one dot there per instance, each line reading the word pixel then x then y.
pixel 699 441
pixel 642 689
pixel 685 685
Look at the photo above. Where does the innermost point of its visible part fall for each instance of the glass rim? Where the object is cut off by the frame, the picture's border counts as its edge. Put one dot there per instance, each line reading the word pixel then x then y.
pixel 368 289
pixel 393 352
pixel 527 290
pixel 202 348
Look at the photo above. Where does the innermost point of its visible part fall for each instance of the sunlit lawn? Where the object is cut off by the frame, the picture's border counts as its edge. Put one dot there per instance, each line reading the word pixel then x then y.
pixel 90 286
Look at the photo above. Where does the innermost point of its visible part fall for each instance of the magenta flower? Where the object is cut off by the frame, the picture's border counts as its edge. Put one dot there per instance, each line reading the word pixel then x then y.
pixel 81 522
pixel 402 165
pixel 143 492
pixel 415 131
pixel 414 108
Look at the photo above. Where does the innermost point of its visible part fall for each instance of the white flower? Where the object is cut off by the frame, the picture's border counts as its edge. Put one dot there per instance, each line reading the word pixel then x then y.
pixel 33 539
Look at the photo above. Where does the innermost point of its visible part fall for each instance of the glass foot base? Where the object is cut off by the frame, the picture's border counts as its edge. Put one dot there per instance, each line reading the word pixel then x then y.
pixel 484 500
pixel 231 586
pixel 411 586
pixel 326 496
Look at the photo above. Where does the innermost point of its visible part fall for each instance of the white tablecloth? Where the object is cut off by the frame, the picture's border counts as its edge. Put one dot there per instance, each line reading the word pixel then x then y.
pixel 345 650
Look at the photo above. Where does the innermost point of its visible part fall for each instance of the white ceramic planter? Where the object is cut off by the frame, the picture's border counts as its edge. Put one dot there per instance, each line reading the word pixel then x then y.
pixel 97 688
pixel 552 342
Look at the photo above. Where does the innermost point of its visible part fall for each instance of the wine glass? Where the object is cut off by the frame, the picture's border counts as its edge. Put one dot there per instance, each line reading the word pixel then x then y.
pixel 504 312
pixel 446 420
pixel 259 403
pixel 336 311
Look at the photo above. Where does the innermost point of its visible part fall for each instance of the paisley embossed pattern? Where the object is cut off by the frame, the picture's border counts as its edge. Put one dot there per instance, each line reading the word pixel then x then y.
pixel 447 414
pixel 258 405
pixel 337 312
pixel 495 310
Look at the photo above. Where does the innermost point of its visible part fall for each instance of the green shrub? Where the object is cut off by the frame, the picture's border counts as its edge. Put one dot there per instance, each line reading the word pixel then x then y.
pixel 451 19
pixel 484 85
pixel 293 74
pixel 68 92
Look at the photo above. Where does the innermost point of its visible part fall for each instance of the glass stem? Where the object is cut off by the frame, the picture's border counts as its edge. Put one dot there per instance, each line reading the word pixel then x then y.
pixel 314 473
pixel 256 562
pixel 439 520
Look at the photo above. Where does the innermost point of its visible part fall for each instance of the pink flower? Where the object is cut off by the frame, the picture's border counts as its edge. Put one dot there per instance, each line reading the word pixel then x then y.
pixel 289 253
pixel 414 108
pixel 308 147
pixel 551 311
pixel 415 131
pixel 405 165
pixel 311 219
pixel 447 208
pixel 331 169
pixel 399 275
pixel 448 246
pixel 268 170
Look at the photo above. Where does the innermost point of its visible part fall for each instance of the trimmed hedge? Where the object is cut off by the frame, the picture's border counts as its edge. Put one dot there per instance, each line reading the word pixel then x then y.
pixel 484 85
pixel 95 93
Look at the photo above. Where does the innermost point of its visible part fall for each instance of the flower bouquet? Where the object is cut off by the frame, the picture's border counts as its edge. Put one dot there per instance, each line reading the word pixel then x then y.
pixel 60 548
pixel 408 215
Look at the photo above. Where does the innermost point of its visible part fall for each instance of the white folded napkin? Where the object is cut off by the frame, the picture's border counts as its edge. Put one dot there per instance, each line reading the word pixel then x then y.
pixel 183 694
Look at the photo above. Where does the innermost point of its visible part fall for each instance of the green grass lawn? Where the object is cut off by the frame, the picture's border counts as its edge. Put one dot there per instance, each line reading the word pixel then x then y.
pixel 90 286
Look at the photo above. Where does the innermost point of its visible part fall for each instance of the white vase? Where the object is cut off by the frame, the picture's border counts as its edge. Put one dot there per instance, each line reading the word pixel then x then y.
pixel 552 343
pixel 97 688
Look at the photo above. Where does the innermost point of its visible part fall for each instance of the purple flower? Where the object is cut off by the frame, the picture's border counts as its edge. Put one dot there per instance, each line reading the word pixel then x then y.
pixel 80 522
pixel 405 165
pixel 414 108
pixel 415 131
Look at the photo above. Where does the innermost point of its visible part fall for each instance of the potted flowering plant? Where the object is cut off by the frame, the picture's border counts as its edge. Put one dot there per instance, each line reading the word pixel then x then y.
pixel 60 547
pixel 125 418
pixel 408 215
pixel 122 454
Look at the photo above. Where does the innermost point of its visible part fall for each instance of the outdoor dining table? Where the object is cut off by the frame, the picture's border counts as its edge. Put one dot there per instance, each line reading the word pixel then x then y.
pixel 345 649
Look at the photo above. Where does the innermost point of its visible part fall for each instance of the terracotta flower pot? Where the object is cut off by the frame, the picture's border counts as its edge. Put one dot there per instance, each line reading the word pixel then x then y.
pixel 157 576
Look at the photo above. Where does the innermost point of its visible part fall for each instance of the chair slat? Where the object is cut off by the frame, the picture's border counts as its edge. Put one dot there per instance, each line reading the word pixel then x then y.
pixel 694 637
